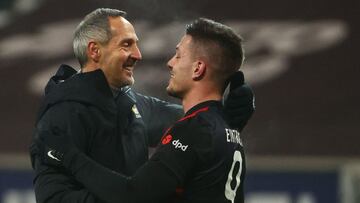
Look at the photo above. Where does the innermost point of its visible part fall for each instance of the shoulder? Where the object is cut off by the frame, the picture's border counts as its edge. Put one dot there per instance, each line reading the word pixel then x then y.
pixel 202 120
pixel 64 114
pixel 153 101
pixel 195 131
pixel 148 101
pixel 153 105
pixel 65 108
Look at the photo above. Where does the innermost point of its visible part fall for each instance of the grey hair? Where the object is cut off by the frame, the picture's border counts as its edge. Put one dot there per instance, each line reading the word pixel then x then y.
pixel 95 26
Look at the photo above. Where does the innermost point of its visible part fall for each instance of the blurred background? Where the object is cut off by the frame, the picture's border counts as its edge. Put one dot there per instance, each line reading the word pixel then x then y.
pixel 301 60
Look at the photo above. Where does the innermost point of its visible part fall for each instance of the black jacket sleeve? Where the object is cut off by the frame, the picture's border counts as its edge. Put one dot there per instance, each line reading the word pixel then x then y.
pixel 153 182
pixel 55 186
pixel 51 184
pixel 158 116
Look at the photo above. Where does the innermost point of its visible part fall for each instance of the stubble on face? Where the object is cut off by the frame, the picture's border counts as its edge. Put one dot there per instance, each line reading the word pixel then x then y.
pixel 121 53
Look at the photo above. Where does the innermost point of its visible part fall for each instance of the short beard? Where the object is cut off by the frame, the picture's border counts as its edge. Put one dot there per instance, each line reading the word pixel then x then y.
pixel 128 82
pixel 131 82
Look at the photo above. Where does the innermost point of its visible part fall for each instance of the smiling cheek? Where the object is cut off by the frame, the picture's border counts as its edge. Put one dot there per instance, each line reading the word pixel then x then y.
pixel 127 77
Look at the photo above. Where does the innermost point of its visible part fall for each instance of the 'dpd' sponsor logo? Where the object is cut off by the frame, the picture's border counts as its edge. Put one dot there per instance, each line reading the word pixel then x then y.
pixel 179 145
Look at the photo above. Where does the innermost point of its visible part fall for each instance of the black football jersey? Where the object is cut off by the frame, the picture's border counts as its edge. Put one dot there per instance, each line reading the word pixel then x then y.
pixel 205 155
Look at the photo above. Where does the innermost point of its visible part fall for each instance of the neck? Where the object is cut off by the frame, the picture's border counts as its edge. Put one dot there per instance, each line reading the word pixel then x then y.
pixel 195 97
pixel 89 67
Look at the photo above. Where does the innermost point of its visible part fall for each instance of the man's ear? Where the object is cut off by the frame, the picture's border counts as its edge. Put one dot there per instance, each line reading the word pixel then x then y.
pixel 94 51
pixel 199 70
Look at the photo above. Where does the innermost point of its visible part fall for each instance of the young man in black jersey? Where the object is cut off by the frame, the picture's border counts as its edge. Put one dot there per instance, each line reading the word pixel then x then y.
pixel 200 158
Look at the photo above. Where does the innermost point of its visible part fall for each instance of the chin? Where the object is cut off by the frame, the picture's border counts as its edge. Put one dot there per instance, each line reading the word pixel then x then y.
pixel 132 81
pixel 173 93
pixel 129 81
pixel 125 82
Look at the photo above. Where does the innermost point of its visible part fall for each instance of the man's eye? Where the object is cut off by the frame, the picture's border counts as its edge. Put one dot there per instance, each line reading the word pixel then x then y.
pixel 126 43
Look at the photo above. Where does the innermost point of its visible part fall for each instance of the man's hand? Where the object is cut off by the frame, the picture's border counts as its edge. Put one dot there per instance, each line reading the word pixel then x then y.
pixel 240 103
pixel 53 147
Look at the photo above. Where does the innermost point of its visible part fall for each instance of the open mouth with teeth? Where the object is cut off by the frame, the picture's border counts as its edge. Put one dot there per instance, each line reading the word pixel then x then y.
pixel 130 63
pixel 129 66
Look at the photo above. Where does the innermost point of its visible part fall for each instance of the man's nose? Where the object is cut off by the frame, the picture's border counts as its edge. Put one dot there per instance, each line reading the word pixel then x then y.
pixel 170 63
pixel 136 53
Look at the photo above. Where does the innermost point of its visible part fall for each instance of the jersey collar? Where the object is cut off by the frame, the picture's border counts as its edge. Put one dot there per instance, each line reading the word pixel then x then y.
pixel 203 106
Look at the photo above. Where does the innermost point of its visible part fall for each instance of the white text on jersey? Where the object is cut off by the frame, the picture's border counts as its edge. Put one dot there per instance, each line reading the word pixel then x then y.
pixel 233 136
pixel 179 145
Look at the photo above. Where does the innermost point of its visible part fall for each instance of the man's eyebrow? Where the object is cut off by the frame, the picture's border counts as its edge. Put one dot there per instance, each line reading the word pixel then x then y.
pixel 129 40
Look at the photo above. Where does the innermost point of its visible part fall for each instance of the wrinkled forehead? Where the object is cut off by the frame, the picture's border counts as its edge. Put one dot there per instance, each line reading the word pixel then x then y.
pixel 122 28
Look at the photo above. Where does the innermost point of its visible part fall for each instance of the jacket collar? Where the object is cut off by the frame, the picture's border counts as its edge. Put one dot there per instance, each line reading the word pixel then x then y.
pixel 90 88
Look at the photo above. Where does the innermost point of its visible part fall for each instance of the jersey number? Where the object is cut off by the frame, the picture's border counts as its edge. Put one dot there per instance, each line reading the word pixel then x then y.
pixel 230 192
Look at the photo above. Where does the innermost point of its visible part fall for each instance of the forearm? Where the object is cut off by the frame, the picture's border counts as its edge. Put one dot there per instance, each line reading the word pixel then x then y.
pixel 53 186
pixel 114 187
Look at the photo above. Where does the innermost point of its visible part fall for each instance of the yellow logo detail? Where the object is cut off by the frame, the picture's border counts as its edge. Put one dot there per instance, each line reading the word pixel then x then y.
pixel 136 111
